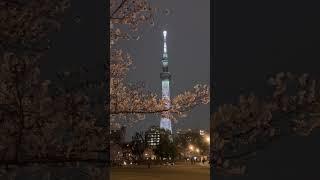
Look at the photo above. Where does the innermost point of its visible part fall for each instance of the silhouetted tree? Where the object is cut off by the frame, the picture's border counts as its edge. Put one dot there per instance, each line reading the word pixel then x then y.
pixel 183 141
pixel 40 128
pixel 166 148
pixel 139 145
pixel 26 25
pixel 239 131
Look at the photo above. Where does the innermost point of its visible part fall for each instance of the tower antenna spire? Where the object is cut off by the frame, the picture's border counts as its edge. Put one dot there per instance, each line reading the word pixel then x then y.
pixel 165 53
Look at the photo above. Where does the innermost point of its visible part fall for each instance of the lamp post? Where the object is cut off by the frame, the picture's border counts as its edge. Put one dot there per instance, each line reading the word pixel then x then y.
pixel 191 148
pixel 207 139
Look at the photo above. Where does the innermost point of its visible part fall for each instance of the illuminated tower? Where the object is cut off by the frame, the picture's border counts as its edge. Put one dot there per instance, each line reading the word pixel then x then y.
pixel 165 76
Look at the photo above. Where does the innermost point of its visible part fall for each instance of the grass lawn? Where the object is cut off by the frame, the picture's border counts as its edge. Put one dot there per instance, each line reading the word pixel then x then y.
pixel 161 173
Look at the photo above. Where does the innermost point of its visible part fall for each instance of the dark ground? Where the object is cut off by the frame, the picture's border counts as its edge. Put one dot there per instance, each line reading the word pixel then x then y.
pixel 184 172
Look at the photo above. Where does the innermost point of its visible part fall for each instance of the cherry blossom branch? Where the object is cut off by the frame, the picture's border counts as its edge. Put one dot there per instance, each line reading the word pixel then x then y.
pixel 119 7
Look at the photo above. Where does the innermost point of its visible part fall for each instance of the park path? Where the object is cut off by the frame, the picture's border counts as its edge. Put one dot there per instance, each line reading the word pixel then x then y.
pixel 161 173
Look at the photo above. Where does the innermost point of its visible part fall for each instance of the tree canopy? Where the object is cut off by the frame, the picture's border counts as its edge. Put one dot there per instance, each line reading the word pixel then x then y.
pixel 240 131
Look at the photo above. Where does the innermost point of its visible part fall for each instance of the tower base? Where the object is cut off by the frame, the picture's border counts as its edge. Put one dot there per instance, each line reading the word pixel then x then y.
pixel 166 124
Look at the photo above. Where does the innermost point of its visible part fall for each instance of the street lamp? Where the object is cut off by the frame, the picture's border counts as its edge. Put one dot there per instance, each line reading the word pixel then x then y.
pixel 191 147
pixel 197 150
pixel 208 139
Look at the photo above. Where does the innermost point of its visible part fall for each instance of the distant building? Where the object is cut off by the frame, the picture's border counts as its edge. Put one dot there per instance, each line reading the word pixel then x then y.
pixel 183 131
pixel 153 136
pixel 187 133
pixel 202 132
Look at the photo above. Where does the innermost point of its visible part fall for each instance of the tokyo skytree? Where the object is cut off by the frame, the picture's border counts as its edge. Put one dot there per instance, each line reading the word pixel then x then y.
pixel 165 76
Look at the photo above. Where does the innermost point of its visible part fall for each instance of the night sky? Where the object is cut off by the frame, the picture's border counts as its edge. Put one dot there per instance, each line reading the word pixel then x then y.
pixel 81 42
pixel 188 26
pixel 252 40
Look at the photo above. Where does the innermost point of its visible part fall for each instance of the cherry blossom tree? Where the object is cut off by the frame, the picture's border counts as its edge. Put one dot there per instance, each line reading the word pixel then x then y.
pixel 41 126
pixel 297 98
pixel 24 24
pixel 131 100
pixel 116 153
pixel 240 131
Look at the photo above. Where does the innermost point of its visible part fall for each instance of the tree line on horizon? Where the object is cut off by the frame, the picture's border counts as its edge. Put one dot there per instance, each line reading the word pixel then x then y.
pixel 171 146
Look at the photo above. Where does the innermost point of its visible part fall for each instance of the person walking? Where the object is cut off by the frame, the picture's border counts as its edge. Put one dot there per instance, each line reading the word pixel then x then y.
pixel 149 163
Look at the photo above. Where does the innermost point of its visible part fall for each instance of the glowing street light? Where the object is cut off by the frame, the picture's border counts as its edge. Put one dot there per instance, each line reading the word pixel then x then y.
pixel 197 150
pixel 191 147
pixel 208 139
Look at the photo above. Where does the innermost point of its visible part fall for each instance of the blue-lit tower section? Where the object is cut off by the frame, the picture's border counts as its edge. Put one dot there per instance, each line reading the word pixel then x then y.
pixel 165 76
